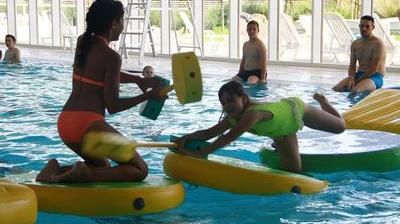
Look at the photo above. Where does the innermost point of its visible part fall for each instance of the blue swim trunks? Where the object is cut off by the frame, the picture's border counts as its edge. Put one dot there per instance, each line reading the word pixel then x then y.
pixel 377 78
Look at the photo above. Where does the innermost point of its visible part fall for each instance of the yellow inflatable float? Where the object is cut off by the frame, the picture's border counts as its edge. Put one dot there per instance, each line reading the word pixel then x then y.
pixel 227 174
pixel 379 111
pixel 154 194
pixel 238 176
pixel 18 203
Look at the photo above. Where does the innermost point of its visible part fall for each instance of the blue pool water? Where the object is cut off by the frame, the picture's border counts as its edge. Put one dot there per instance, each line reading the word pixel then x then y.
pixel 33 93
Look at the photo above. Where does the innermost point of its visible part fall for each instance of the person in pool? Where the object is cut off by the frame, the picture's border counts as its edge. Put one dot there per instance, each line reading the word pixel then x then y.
pixel 279 120
pixel 148 72
pixel 95 89
pixel 12 54
pixel 370 52
pixel 253 66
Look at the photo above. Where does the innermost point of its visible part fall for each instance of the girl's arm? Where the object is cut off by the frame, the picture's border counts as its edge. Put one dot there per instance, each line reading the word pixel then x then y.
pixel 245 123
pixel 209 133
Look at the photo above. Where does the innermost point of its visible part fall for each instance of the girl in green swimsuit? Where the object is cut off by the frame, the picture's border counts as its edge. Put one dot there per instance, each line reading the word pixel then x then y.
pixel 278 120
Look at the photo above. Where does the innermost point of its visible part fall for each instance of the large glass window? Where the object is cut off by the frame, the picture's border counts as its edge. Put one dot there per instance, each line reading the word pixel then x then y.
pixel 216 28
pixel 340 26
pixel 387 27
pixel 340 29
pixel 155 23
pixel 253 10
pixel 45 23
pixel 3 19
pixel 183 34
pixel 22 21
pixel 68 22
pixel 295 31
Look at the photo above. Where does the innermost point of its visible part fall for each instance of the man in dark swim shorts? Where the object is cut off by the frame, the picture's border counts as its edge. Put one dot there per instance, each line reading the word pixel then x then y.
pixel 253 67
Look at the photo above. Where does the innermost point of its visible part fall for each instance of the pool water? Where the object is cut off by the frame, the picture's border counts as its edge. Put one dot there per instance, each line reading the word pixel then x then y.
pixel 33 93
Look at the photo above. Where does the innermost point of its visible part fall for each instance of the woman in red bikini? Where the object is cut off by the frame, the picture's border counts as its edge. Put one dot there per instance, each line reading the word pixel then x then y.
pixel 95 88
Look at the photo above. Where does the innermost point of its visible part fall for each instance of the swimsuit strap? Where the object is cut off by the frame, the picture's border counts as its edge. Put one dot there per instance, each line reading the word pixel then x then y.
pixel 87 80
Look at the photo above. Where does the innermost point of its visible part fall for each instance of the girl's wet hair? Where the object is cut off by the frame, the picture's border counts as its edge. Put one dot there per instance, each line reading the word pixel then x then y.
pixel 232 88
pixel 99 20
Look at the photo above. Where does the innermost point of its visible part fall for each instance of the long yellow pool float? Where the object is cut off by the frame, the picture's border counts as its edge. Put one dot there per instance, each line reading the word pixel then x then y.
pixel 18 203
pixel 379 111
pixel 238 176
pixel 154 194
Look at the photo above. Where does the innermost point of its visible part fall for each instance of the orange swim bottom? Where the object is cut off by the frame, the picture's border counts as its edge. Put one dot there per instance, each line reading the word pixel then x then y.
pixel 72 125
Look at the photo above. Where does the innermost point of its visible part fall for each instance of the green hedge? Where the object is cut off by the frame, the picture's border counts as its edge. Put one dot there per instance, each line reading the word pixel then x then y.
pixel 252 8
pixel 386 8
pixel 213 17
pixel 155 19
pixel 299 8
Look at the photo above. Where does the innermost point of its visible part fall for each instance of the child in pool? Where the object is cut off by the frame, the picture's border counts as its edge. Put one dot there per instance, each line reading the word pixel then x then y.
pixel 148 72
pixel 12 54
pixel 278 120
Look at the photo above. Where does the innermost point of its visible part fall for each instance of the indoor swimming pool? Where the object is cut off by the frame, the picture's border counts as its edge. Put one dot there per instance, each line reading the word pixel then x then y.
pixel 33 93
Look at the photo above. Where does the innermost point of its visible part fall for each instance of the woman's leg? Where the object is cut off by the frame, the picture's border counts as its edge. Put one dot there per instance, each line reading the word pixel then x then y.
pixel 53 168
pixel 98 170
pixel 288 149
pixel 328 119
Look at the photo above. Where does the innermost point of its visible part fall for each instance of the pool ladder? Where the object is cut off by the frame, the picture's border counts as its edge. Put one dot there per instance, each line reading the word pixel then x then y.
pixel 136 28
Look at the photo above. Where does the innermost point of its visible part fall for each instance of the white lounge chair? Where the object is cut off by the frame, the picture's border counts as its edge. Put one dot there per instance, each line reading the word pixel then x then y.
pixel 67 32
pixel 45 28
pixel 190 29
pixel 341 35
pixel 288 35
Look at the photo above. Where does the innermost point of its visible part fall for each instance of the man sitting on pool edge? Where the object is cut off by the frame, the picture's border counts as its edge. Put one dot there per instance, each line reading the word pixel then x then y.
pixel 370 52
pixel 253 66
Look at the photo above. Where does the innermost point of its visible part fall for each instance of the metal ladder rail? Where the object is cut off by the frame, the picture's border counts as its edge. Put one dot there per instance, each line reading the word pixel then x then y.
pixel 146 29
pixel 195 35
